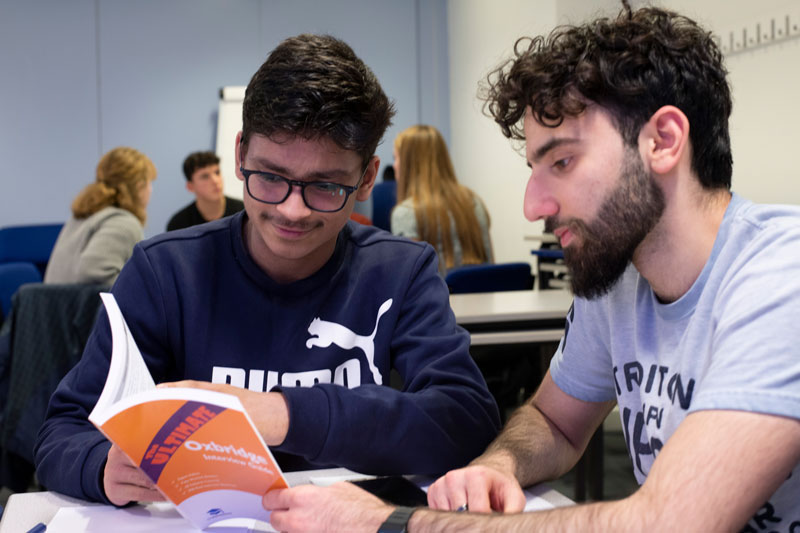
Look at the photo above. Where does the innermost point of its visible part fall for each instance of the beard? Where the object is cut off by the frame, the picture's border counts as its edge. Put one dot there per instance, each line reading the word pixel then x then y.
pixel 606 244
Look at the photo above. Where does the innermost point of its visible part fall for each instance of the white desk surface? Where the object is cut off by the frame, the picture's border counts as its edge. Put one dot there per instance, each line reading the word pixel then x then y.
pixel 486 307
pixel 25 510
pixel 544 237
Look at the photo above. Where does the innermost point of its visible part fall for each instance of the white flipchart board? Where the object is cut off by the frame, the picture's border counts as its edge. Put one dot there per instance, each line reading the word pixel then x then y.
pixel 229 122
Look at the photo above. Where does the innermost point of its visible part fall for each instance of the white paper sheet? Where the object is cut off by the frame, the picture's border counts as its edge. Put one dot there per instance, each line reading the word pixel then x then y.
pixel 155 517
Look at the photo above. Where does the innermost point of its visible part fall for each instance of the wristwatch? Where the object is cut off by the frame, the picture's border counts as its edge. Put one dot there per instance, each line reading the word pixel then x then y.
pixel 397 521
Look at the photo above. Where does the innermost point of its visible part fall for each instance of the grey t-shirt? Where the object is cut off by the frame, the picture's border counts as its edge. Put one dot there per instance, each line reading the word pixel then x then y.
pixel 731 342
pixel 94 249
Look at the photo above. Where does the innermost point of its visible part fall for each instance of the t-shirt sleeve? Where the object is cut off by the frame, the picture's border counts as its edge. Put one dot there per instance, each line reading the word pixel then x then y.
pixel 755 363
pixel 581 366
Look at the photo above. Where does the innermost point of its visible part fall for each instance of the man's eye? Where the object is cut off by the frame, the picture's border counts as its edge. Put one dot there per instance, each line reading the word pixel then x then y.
pixel 562 163
pixel 328 188
pixel 270 178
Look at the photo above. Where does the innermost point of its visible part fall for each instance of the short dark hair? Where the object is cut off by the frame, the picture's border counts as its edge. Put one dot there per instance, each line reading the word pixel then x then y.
pixel 631 66
pixel 315 86
pixel 198 160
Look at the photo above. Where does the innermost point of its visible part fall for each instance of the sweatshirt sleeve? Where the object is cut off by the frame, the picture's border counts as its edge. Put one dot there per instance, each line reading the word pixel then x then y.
pixel 70 453
pixel 442 417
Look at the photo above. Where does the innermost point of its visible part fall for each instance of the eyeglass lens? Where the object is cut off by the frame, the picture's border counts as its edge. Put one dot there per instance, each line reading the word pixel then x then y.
pixel 275 189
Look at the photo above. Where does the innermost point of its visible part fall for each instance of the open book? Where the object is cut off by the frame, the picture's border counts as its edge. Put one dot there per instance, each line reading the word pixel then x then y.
pixel 199 447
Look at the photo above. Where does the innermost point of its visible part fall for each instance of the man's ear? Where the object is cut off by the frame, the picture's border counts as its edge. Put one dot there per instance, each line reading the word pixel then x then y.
pixel 370 174
pixel 237 151
pixel 190 186
pixel 665 138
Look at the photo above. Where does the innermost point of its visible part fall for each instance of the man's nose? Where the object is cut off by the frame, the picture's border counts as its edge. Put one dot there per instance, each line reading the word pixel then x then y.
pixel 539 201
pixel 294 207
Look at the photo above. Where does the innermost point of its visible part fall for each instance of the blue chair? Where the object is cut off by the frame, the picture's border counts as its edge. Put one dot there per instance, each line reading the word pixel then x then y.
pixel 31 243
pixel 24 253
pixel 384 197
pixel 490 278
pixel 12 276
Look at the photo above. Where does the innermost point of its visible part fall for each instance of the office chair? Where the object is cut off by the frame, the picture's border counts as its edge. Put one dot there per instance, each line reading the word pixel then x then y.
pixel 24 253
pixel 40 342
pixel 384 197
pixel 12 276
pixel 490 278
pixel 31 243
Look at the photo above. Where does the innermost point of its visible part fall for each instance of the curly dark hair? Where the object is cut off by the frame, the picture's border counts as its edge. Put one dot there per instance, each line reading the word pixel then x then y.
pixel 313 86
pixel 631 66
pixel 198 160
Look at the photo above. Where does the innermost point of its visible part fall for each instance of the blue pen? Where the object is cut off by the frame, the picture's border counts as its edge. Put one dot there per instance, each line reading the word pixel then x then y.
pixel 38 528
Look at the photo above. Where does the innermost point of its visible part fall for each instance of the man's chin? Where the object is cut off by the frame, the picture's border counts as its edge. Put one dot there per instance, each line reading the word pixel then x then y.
pixel 590 284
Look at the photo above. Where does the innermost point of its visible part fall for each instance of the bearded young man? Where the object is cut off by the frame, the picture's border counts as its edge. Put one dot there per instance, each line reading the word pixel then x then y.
pixel 686 301
pixel 289 306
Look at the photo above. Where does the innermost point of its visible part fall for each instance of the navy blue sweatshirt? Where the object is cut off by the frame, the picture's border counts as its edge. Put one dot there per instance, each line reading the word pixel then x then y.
pixel 200 308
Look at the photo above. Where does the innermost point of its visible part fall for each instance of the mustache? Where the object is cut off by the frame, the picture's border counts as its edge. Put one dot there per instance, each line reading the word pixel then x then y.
pixel 575 225
pixel 289 224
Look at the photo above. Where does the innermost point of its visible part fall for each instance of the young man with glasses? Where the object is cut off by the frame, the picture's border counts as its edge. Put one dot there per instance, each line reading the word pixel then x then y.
pixel 299 313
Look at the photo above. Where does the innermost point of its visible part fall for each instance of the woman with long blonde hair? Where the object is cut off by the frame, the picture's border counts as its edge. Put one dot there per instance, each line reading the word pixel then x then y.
pixel 107 220
pixel 432 206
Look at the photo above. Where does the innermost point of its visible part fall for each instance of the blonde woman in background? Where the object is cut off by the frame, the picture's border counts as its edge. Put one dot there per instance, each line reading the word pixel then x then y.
pixel 107 220
pixel 432 206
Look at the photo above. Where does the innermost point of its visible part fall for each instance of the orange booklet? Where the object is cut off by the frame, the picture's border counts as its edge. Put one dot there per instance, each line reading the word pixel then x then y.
pixel 199 447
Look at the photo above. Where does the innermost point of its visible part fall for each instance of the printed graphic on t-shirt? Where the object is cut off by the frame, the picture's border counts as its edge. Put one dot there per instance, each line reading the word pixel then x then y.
pixel 644 395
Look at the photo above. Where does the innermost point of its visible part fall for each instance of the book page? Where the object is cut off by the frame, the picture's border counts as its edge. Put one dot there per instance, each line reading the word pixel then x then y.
pixel 199 447
pixel 127 373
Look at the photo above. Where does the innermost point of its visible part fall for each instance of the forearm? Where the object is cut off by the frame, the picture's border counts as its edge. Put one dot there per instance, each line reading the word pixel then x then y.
pixel 70 457
pixel 599 517
pixel 426 433
pixel 530 448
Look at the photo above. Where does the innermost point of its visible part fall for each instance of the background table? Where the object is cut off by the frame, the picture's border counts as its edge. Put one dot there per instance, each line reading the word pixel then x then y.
pixel 512 317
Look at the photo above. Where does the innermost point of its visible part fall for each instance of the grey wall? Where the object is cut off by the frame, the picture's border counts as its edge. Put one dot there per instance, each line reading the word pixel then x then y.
pixel 78 78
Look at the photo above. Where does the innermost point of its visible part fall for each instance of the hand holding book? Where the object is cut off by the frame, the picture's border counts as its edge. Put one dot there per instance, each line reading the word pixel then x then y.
pixel 268 411
pixel 197 445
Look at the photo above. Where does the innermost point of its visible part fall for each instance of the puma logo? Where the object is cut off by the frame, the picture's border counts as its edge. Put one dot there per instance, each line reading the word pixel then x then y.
pixel 324 333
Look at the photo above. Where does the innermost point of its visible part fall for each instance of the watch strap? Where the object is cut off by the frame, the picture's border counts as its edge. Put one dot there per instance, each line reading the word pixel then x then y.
pixel 397 521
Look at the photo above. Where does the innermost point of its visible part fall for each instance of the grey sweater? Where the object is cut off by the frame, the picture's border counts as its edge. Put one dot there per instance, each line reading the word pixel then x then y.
pixel 94 249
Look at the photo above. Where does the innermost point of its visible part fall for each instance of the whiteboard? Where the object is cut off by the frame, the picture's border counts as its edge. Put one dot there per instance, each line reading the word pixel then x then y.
pixel 229 123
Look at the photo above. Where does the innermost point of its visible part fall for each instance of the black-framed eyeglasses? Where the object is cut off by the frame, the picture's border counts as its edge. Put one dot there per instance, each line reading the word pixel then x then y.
pixel 324 196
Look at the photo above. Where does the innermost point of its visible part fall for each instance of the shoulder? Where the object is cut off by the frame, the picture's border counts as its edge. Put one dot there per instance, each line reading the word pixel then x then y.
pixel 197 236
pixel 116 214
pixel 373 238
pixel 760 231
pixel 116 217
pixel 232 204
pixel 178 220
pixel 403 215
pixel 764 217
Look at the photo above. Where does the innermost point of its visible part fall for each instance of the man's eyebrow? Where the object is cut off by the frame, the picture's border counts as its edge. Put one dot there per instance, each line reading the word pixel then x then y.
pixel 326 175
pixel 552 144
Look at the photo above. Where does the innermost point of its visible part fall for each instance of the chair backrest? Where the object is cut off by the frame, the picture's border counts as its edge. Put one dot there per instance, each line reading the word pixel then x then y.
pixel 12 275
pixel 490 278
pixel 48 327
pixel 384 196
pixel 28 243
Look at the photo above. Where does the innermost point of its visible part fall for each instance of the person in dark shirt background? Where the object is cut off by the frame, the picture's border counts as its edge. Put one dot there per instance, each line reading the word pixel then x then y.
pixel 204 180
